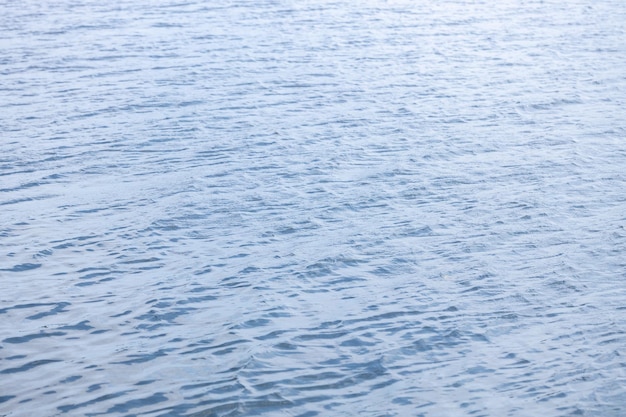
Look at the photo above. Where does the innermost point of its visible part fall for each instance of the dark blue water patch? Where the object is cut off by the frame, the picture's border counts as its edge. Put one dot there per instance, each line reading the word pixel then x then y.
pixel 26 306
pixel 204 270
pixel 217 349
pixel 146 382
pixel 124 313
pixel 254 323
pixel 83 326
pixel 322 335
pixel 59 308
pixel 97 272
pixel 272 335
pixel 26 199
pixel 357 342
pixel 234 405
pixel 15 357
pixel 28 366
pixel 224 385
pixel 107 397
pixel 234 282
pixel 94 387
pixel 71 379
pixel 28 338
pixel 142 358
pixel 90 283
pixel 21 187
pixel 195 300
pixel 162 318
pixel 21 267
pixel 44 253
pixel 138 402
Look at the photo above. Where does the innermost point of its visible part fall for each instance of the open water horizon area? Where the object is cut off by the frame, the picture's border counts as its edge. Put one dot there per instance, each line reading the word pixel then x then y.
pixel 313 208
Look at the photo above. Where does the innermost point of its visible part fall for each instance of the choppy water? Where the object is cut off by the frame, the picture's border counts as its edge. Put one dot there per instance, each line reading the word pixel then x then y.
pixel 333 208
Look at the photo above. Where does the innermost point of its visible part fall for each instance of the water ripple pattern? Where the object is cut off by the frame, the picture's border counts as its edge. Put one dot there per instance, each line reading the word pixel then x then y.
pixel 313 208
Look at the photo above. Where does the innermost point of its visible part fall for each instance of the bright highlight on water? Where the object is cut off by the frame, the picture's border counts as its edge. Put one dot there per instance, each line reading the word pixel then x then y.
pixel 313 208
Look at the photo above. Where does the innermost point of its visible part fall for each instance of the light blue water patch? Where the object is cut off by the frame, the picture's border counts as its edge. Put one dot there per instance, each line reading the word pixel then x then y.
pixel 317 208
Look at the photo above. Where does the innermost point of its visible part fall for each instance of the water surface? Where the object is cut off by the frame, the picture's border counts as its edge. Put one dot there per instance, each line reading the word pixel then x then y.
pixel 390 208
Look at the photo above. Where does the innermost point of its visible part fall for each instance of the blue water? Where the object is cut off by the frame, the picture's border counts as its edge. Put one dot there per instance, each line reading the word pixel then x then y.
pixel 331 208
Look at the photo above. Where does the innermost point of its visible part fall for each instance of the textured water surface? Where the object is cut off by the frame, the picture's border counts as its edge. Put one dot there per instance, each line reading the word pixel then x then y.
pixel 333 208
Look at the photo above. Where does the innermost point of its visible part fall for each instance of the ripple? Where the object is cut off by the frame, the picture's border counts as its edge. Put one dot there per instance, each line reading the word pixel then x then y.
pixel 312 209
pixel 28 366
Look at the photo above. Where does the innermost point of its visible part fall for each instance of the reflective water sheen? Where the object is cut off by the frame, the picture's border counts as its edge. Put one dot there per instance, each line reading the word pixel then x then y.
pixel 332 208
